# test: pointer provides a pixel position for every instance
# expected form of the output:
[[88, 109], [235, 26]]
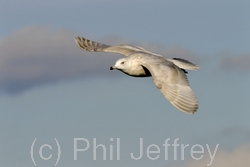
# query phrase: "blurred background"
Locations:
[[49, 88]]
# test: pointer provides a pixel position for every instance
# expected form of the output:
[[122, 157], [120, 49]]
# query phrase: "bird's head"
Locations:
[[121, 64]]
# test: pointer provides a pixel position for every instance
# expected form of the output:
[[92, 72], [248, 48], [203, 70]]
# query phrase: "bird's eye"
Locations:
[[122, 62]]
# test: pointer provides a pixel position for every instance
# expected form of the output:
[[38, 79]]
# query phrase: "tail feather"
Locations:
[[184, 64]]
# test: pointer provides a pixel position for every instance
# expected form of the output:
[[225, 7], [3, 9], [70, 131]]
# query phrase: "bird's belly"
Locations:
[[139, 71]]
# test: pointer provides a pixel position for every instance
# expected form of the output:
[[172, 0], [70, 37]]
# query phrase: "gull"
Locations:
[[169, 75]]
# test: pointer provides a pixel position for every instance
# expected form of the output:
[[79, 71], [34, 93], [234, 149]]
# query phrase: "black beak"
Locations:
[[111, 68]]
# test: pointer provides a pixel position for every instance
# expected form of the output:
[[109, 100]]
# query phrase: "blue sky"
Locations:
[[49, 88]]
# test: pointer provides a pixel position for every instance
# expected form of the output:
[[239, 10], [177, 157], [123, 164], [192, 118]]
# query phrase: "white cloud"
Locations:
[[236, 62], [225, 158], [35, 55]]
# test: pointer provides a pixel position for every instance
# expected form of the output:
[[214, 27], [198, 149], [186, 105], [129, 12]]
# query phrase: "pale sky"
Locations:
[[49, 88]]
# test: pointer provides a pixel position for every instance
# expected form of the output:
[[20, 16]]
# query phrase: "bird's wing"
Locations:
[[93, 46], [173, 84]]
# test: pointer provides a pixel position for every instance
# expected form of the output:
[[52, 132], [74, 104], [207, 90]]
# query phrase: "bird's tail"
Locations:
[[184, 64]]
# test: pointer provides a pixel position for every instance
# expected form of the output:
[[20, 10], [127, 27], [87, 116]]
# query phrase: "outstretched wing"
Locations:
[[93, 46], [173, 84]]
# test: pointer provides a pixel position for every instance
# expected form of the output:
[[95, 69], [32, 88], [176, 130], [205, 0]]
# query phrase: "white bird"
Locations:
[[168, 74]]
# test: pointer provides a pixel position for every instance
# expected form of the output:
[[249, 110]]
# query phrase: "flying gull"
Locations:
[[168, 74]]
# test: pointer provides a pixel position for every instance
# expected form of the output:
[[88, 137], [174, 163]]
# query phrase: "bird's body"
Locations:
[[168, 74], [135, 68]]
